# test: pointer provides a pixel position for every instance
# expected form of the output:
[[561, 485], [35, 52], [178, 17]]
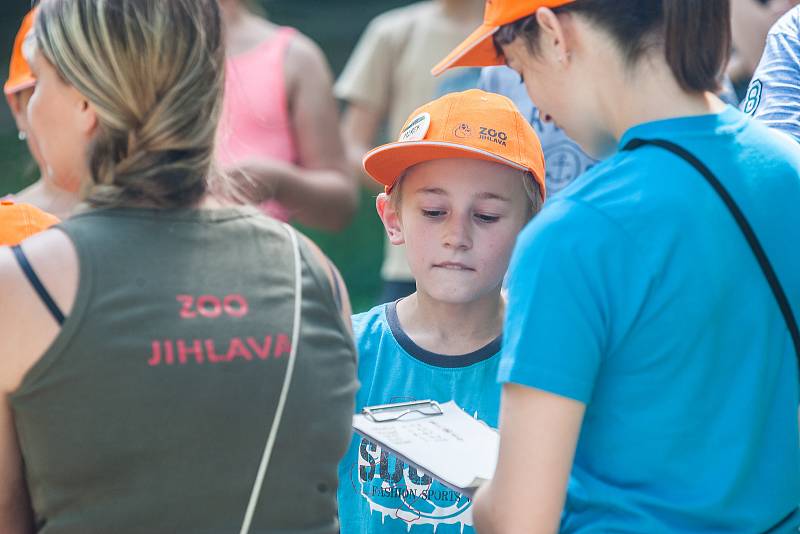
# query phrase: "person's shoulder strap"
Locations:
[[34, 280], [287, 382], [741, 221]]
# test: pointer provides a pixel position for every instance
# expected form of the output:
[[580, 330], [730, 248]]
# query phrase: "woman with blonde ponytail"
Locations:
[[662, 394], [170, 364]]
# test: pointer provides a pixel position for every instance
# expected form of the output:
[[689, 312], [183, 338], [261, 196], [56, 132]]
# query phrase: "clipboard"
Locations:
[[441, 440]]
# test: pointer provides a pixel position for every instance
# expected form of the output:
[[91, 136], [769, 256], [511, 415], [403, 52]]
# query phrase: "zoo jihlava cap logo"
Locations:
[[472, 124]]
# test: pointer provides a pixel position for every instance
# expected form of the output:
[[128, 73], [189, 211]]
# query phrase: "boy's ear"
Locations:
[[390, 218]]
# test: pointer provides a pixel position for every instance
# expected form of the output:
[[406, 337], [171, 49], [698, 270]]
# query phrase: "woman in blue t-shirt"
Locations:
[[645, 352]]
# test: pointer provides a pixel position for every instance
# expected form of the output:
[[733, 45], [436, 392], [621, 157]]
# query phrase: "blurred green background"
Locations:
[[335, 25]]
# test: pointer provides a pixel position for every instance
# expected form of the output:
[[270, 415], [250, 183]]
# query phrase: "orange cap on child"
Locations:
[[20, 76], [20, 221], [478, 49], [473, 124]]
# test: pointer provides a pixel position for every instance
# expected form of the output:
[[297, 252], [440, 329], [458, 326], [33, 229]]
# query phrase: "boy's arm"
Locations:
[[538, 434]]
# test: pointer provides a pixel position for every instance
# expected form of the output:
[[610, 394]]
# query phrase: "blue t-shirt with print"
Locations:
[[379, 493], [635, 293], [774, 93]]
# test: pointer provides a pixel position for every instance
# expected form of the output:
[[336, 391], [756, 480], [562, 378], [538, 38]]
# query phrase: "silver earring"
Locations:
[[22, 136]]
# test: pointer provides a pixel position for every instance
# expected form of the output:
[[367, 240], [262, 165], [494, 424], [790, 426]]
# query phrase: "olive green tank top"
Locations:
[[150, 411]]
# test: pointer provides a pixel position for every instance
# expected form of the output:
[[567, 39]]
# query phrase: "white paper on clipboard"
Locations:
[[452, 447]]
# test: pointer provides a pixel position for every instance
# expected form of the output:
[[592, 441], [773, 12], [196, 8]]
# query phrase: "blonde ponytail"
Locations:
[[154, 72]]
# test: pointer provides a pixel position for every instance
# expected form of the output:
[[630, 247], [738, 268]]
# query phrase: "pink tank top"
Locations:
[[255, 119]]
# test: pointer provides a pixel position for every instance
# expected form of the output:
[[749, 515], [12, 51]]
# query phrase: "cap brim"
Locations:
[[10, 88], [387, 163], [477, 50]]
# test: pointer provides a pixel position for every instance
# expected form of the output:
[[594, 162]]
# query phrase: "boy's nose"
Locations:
[[457, 233]]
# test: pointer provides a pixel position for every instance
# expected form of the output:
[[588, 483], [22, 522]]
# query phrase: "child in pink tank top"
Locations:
[[255, 118], [279, 131]]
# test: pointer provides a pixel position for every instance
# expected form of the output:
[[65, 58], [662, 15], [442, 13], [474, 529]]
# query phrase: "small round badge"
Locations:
[[416, 129]]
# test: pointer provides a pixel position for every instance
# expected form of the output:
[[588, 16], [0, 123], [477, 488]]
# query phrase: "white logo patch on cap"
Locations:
[[416, 129]]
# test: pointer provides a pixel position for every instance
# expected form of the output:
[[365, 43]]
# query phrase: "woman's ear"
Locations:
[[552, 39], [85, 114], [390, 217], [16, 110]]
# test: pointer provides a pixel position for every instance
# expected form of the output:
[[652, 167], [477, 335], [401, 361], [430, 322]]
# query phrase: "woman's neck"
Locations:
[[49, 197], [452, 329], [647, 93]]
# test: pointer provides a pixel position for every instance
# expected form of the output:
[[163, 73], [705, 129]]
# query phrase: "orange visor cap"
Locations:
[[478, 49], [20, 221], [473, 125], [20, 76]]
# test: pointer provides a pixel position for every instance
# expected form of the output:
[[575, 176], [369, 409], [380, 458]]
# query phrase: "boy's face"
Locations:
[[459, 219]]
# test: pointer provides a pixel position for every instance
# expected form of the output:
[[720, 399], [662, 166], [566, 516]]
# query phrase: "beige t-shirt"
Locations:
[[390, 71]]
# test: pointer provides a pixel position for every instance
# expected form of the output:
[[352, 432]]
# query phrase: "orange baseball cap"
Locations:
[[478, 49], [20, 76], [473, 124], [20, 221]]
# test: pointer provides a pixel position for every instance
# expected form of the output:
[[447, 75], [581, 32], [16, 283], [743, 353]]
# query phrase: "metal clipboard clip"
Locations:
[[385, 413]]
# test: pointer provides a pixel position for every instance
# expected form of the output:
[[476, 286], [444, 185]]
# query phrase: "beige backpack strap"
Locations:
[[273, 432]]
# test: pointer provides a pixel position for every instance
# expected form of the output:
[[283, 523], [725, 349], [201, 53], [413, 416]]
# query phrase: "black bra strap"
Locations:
[[744, 225], [30, 274]]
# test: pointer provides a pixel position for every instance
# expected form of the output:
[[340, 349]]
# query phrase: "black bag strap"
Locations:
[[37, 285], [744, 226]]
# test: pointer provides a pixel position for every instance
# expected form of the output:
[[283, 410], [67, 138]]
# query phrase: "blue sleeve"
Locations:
[[774, 93], [489, 80], [569, 277]]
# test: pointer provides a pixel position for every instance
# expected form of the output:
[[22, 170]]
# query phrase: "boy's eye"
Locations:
[[433, 213], [482, 217]]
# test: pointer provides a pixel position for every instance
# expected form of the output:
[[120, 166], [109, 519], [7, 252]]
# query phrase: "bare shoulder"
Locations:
[[248, 34], [320, 256], [303, 54], [334, 278], [27, 328]]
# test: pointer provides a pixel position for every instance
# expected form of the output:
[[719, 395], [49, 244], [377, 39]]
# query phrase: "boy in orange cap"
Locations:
[[465, 176], [387, 77]]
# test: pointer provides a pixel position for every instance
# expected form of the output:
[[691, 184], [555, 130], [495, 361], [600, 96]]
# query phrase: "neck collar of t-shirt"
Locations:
[[432, 358], [729, 120]]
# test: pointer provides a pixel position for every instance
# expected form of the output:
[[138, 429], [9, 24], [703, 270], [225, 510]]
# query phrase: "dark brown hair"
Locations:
[[694, 34]]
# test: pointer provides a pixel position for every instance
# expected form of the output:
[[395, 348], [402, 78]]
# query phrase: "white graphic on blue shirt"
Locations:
[[378, 492], [397, 490]]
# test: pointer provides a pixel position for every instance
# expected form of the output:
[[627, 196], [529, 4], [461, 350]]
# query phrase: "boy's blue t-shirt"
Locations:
[[377, 492], [634, 292]]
